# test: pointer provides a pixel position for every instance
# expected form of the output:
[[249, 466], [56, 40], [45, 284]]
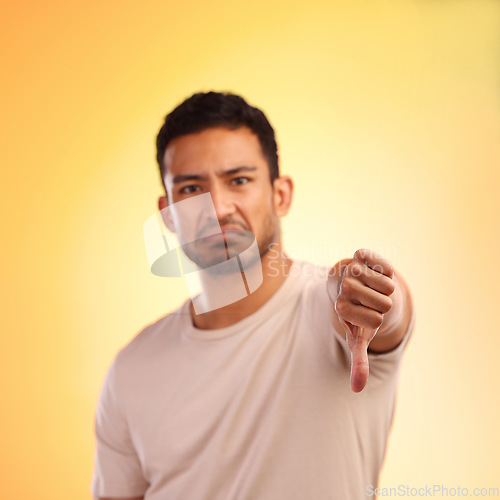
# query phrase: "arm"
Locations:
[[372, 307], [117, 470]]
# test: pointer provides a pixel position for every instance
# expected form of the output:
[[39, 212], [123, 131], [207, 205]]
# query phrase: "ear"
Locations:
[[282, 195], [166, 215]]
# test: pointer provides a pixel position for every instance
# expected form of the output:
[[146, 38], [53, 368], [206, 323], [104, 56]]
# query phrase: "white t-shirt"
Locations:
[[261, 409]]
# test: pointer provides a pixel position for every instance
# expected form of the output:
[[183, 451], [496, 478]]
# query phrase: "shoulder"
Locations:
[[309, 272], [152, 339], [311, 282]]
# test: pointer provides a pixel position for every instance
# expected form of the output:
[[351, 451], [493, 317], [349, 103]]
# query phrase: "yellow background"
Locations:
[[387, 116]]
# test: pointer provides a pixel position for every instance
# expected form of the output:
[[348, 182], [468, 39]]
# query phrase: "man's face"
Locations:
[[230, 165]]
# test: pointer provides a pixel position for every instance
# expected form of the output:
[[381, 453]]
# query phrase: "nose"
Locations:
[[223, 202]]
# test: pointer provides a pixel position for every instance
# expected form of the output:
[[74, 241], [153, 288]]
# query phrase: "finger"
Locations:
[[374, 261], [358, 293], [359, 364], [371, 278], [358, 315]]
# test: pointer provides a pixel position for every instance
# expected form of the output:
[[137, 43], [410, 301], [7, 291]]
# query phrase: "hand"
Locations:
[[363, 298]]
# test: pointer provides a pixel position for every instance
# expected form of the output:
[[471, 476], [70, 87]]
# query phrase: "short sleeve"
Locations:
[[117, 469], [397, 352]]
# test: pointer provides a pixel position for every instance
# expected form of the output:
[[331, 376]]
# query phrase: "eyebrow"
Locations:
[[220, 173]]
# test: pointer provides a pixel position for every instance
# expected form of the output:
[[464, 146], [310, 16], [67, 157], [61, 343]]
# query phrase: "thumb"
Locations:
[[359, 362]]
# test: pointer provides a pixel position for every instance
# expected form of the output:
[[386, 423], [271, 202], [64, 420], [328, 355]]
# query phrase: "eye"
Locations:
[[191, 188], [240, 180]]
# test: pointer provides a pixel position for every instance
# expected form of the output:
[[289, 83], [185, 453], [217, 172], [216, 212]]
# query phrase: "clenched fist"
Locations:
[[362, 294]]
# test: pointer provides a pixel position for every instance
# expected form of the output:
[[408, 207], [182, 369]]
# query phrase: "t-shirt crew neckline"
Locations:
[[219, 333]]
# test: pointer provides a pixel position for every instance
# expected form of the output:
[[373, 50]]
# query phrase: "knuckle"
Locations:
[[390, 269], [376, 320], [386, 305], [340, 305], [391, 287], [360, 254], [356, 269], [347, 285]]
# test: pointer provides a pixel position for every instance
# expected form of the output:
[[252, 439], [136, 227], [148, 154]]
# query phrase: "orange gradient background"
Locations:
[[387, 117]]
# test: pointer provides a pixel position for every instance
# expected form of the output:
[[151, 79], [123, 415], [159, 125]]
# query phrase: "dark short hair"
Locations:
[[204, 110]]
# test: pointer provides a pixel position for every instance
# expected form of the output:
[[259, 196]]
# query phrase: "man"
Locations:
[[266, 397]]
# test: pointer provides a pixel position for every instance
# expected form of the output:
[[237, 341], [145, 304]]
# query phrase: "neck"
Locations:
[[275, 268]]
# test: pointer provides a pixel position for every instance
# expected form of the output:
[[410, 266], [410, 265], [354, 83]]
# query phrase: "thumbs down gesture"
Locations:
[[362, 291]]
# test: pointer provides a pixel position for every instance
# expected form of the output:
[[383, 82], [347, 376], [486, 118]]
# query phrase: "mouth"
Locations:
[[219, 231], [232, 238], [223, 237], [216, 244], [232, 230]]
